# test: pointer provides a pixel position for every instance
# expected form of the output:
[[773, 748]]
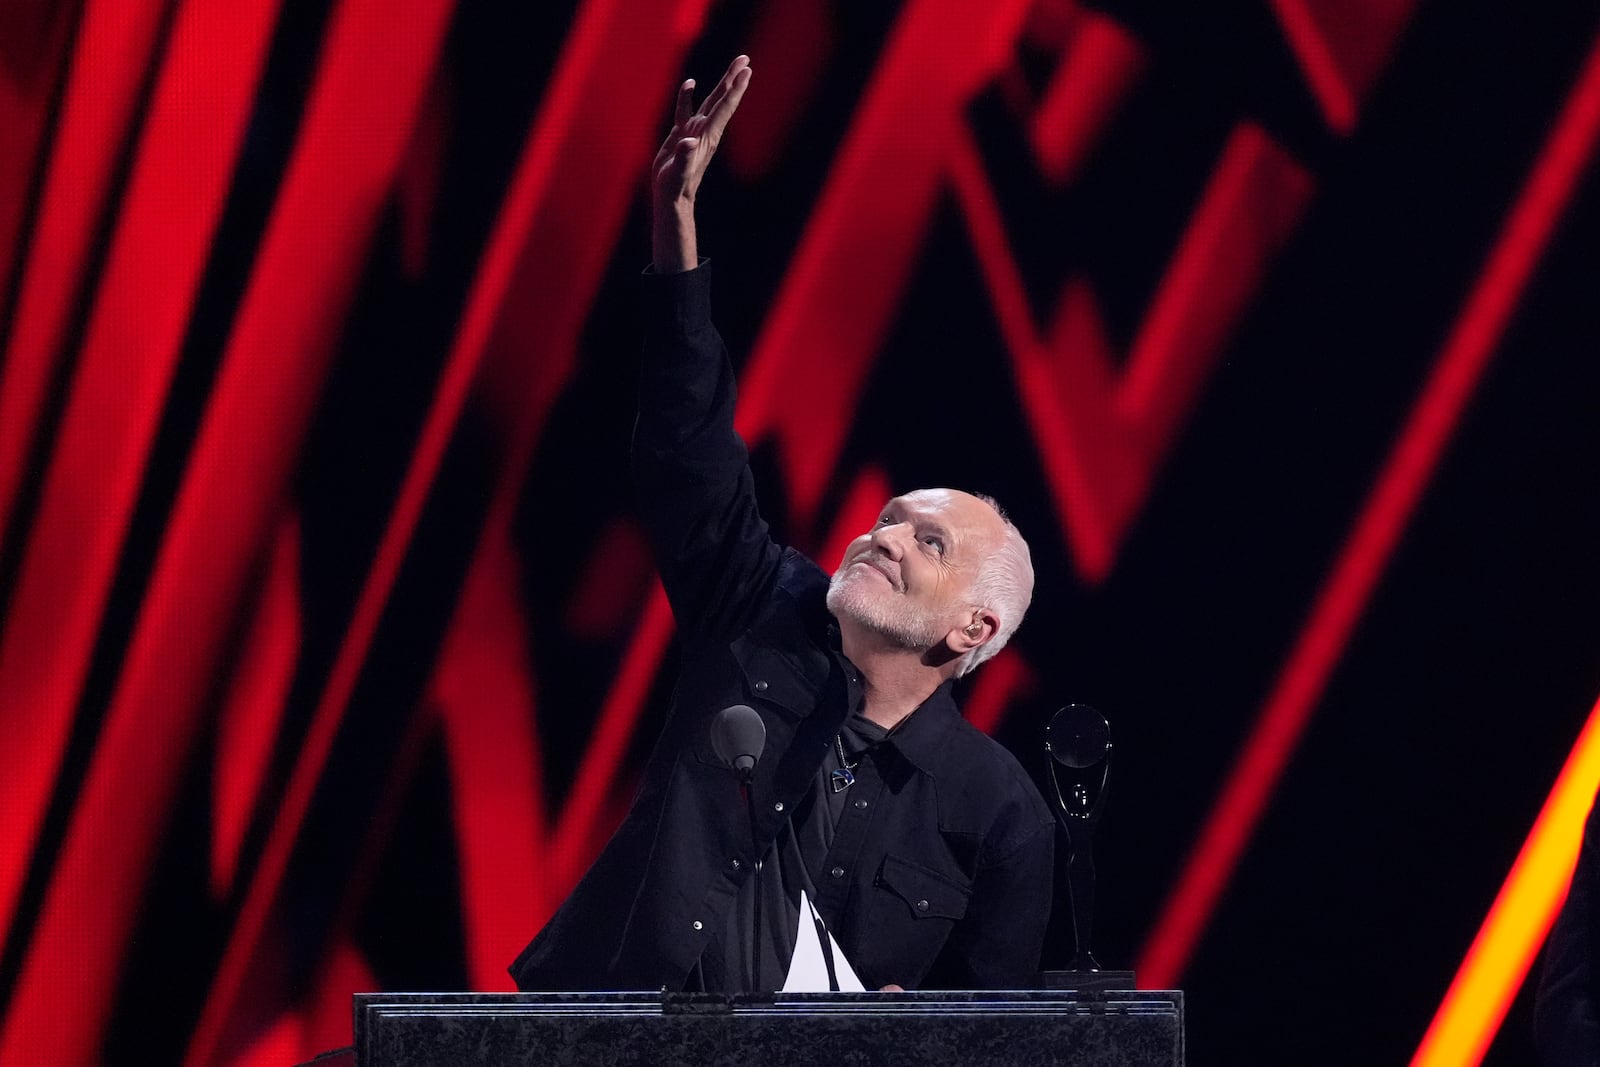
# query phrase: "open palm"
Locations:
[[681, 161]]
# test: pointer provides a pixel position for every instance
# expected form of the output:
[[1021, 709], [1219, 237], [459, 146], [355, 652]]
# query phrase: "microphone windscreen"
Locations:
[[737, 737]]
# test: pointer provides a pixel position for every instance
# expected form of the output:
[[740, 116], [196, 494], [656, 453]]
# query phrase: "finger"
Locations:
[[682, 153], [724, 84], [682, 111], [682, 107], [676, 150], [738, 74], [672, 166], [668, 147], [685, 104], [727, 105], [667, 142]]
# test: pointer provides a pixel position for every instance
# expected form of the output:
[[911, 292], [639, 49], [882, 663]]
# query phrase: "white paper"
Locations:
[[808, 970]]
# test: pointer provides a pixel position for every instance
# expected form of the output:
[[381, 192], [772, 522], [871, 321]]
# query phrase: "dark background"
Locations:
[[1469, 668]]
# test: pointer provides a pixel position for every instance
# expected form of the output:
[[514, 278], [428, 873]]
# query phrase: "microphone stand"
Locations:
[[748, 789]]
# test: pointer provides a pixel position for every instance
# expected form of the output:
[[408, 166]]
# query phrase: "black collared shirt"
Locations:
[[937, 870]]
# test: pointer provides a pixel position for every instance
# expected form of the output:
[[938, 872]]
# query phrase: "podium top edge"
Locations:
[[646, 999]]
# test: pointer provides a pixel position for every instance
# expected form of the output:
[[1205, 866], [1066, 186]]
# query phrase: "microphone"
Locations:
[[737, 737]]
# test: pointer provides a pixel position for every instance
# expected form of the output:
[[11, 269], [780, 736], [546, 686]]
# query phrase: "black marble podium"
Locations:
[[1090, 1028]]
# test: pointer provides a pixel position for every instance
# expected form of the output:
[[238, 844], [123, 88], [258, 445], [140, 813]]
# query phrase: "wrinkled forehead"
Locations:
[[959, 511]]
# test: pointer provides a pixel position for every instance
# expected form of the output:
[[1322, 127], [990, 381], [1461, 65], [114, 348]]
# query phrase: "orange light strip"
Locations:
[[1516, 925], [1384, 518]]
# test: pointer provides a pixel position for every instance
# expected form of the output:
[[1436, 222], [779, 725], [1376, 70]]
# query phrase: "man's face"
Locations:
[[910, 577]]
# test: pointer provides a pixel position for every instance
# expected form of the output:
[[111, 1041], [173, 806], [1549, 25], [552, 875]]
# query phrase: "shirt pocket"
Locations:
[[922, 893], [909, 915]]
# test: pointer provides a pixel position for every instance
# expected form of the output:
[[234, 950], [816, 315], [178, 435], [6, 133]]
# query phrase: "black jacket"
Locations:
[[939, 870]]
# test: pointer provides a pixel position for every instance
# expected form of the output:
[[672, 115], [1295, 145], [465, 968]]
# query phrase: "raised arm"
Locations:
[[691, 471]]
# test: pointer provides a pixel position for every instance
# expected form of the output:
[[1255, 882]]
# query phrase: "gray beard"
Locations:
[[897, 624]]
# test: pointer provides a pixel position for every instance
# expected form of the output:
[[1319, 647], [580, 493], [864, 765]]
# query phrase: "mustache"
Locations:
[[882, 566]]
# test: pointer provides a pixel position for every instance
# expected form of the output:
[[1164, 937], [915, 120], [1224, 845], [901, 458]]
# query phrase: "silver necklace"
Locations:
[[843, 778]]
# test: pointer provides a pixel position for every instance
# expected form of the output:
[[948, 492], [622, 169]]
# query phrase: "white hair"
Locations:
[[1004, 585]]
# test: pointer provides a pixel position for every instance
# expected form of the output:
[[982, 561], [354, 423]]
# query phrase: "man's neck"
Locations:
[[894, 681]]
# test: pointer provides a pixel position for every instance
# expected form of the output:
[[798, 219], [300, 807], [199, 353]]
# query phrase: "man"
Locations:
[[924, 846]]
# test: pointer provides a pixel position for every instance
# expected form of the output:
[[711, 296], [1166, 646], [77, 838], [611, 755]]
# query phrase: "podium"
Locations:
[[1088, 1028]]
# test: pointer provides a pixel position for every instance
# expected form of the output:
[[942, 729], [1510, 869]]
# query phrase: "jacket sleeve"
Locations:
[[1566, 1024], [691, 470]]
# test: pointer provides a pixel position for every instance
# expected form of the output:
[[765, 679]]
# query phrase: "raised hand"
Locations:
[[681, 163]]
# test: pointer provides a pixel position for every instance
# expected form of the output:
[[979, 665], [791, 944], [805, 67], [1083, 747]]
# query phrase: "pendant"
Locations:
[[842, 779]]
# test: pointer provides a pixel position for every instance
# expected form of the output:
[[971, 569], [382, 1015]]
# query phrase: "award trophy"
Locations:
[[1078, 740]]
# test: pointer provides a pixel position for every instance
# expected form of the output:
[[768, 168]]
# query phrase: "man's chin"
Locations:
[[840, 600], [846, 607], [852, 595]]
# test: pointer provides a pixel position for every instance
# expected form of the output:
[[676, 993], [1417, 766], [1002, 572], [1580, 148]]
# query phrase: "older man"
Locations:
[[925, 847]]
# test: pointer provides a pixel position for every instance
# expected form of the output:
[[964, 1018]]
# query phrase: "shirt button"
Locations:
[[837, 872], [861, 803], [778, 806], [735, 864], [761, 687], [922, 905], [698, 924]]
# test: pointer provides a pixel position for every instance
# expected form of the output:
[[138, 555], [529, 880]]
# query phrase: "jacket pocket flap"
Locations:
[[774, 678], [928, 894]]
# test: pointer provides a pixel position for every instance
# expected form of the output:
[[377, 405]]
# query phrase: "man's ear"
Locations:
[[982, 626]]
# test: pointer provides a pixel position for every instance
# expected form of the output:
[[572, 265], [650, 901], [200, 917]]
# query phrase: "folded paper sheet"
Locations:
[[808, 969]]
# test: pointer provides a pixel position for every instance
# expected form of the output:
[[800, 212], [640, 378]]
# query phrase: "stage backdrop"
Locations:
[[330, 648]]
